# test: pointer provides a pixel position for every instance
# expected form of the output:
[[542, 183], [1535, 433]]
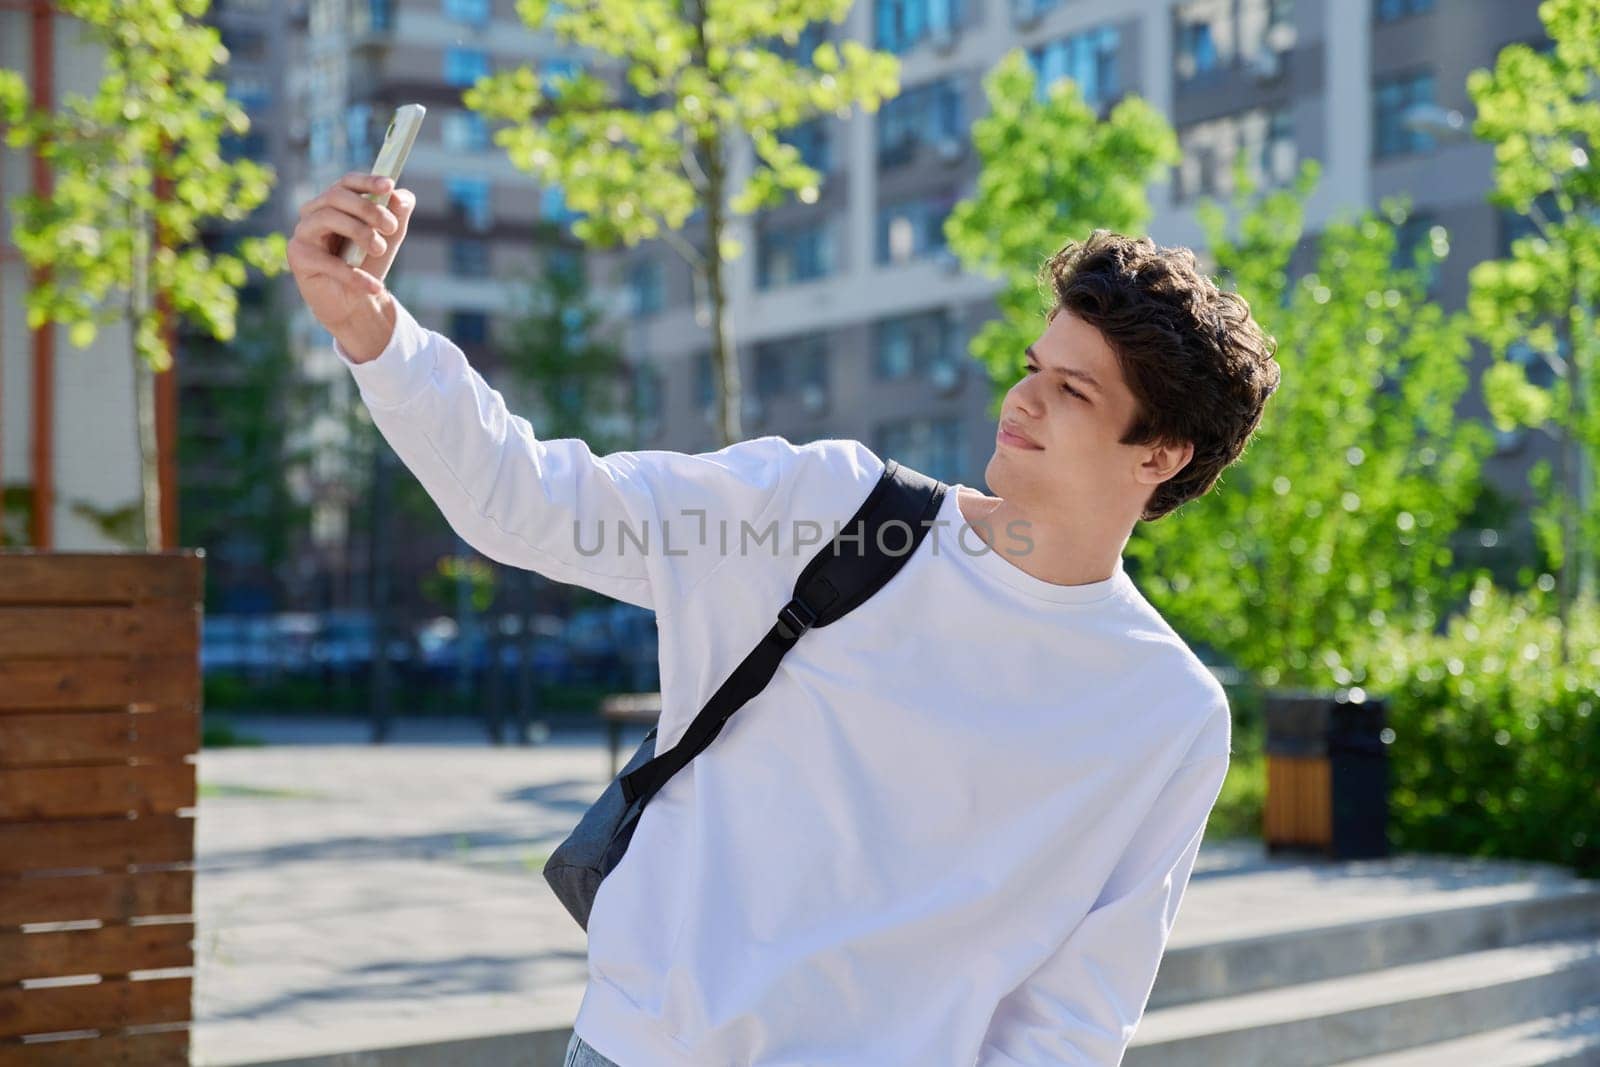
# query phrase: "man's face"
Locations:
[[1074, 426]]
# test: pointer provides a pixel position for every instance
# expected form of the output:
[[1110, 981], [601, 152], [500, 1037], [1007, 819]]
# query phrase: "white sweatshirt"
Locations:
[[956, 826]]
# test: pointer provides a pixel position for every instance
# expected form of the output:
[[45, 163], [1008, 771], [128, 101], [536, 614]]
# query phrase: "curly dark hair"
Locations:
[[1198, 365]]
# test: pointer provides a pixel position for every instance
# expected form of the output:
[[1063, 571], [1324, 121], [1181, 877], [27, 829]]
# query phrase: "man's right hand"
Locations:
[[350, 302]]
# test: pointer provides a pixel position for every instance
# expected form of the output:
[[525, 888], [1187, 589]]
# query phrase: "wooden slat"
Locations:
[[108, 897], [106, 950], [165, 1048], [90, 736], [145, 629], [113, 1002], [84, 792], [106, 843], [98, 681], [96, 577]]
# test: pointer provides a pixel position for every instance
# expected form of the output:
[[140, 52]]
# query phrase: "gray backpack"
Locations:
[[834, 583]]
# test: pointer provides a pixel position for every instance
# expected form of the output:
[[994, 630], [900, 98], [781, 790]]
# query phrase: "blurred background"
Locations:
[[1333, 161]]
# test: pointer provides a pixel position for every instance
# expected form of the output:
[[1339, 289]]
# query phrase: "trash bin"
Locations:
[[1327, 774]]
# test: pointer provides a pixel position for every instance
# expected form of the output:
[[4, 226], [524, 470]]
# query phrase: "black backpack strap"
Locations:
[[861, 558]]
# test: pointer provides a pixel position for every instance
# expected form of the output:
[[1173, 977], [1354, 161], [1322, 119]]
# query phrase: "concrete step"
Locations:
[[1312, 1024], [1436, 926], [1568, 1039]]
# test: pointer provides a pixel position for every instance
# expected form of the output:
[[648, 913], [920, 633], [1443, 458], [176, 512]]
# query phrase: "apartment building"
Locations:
[[850, 316]]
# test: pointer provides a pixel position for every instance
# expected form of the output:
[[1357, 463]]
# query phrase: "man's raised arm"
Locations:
[[636, 526]]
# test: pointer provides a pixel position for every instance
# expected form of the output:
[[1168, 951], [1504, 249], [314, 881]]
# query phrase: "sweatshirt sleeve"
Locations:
[[630, 525], [1081, 1007]]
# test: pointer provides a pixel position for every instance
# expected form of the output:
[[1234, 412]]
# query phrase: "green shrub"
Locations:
[[1496, 747]]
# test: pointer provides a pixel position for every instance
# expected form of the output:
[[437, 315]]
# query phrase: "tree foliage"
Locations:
[[1337, 519], [109, 246], [701, 75], [1541, 111]]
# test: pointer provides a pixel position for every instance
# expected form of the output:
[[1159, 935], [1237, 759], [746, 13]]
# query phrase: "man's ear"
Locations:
[[1165, 460]]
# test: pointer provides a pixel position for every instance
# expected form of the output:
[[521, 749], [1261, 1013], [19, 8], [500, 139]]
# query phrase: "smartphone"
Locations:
[[397, 142]]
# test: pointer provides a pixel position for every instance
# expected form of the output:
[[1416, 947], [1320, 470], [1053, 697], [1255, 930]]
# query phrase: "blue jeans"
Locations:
[[579, 1054]]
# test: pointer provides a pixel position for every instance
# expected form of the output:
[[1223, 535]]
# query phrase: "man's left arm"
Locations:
[[1081, 1007]]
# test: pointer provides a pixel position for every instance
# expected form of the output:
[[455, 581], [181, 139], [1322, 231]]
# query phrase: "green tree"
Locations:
[[242, 438], [1541, 110], [1338, 517], [1052, 170], [707, 72], [110, 243]]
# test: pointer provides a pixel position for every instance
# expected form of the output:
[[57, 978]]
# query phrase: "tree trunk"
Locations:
[[144, 383], [149, 453], [724, 359]]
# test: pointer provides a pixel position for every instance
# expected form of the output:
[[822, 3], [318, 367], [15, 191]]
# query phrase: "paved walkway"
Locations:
[[354, 897]]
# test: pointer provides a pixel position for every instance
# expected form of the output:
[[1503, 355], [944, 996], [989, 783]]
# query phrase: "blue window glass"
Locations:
[[469, 327], [901, 24], [645, 287], [794, 255], [464, 131], [472, 12], [923, 115], [469, 257], [468, 200], [1390, 10], [463, 66], [1393, 101], [1088, 58], [912, 229]]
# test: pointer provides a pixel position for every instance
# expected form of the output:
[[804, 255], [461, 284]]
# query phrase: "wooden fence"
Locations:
[[99, 718]]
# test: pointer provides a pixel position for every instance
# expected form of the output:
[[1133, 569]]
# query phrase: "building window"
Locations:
[[1210, 149], [797, 254], [703, 392], [465, 131], [373, 16], [1088, 58], [1390, 10], [472, 12], [930, 445], [252, 93], [1393, 99], [1280, 157], [646, 393], [564, 262], [912, 229], [469, 328], [464, 66], [1197, 50], [1213, 36], [469, 257], [1025, 9], [811, 138], [555, 70], [553, 204], [645, 288], [324, 139], [769, 371], [244, 45], [468, 202], [904, 23], [927, 114], [1418, 229], [912, 345]]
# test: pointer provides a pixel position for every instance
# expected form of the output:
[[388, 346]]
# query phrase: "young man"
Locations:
[[957, 825]]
